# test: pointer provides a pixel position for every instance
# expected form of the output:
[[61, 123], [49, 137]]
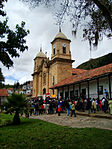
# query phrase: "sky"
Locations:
[[43, 29]]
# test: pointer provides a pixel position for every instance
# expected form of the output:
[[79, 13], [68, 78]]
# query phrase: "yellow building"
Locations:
[[47, 72]]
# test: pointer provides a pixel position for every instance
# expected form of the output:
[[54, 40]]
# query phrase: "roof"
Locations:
[[76, 71], [89, 74], [41, 54], [11, 89], [3, 92], [60, 35]]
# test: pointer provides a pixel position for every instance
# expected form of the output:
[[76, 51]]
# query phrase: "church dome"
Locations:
[[41, 54], [60, 35]]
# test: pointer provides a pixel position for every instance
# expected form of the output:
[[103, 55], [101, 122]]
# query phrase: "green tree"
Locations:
[[16, 103], [1, 78], [94, 16], [11, 42]]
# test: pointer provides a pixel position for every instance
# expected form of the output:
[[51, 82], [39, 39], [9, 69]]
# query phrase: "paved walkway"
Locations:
[[98, 114], [79, 121]]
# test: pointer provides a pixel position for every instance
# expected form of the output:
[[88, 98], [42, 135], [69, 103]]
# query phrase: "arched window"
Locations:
[[54, 50], [64, 48]]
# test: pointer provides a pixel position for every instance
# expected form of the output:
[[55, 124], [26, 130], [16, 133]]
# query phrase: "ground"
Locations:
[[76, 122]]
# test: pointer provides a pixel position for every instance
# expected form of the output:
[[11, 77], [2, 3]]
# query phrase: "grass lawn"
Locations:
[[37, 134]]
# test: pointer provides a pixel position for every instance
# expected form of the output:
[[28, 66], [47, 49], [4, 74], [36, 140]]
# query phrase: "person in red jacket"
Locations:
[[59, 110], [42, 108]]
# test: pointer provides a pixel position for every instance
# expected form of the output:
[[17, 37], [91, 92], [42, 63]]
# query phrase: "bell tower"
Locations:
[[61, 62], [61, 47]]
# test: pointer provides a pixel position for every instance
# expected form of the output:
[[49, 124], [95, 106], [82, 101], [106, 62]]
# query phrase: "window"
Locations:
[[100, 90], [54, 50], [64, 48]]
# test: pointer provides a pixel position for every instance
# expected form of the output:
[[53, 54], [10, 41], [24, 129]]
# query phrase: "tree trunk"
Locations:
[[16, 119]]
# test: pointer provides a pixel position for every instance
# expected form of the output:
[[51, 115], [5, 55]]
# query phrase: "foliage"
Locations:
[[4, 122], [16, 103], [11, 42], [8, 86], [1, 78], [5, 119], [34, 133], [95, 16], [98, 62]]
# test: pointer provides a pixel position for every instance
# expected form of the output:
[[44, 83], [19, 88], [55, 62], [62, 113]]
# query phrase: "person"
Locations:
[[67, 107], [40, 111], [88, 105], [36, 109], [94, 105], [42, 108], [110, 106], [51, 108], [45, 107], [106, 93], [97, 104], [106, 105], [59, 110], [103, 101], [47, 110], [73, 109]]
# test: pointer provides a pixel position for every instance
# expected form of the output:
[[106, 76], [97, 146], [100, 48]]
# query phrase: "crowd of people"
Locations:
[[52, 106]]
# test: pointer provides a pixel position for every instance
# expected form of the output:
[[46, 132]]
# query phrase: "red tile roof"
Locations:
[[76, 71], [3, 92], [89, 74], [10, 89]]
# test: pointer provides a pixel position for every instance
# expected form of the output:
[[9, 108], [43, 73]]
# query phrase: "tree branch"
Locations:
[[106, 12]]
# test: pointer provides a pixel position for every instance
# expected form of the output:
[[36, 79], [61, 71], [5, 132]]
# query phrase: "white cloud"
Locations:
[[42, 28]]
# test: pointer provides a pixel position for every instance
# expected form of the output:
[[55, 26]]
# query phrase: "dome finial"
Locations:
[[59, 28], [41, 48]]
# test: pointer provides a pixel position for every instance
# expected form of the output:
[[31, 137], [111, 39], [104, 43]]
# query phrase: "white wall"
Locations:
[[92, 87]]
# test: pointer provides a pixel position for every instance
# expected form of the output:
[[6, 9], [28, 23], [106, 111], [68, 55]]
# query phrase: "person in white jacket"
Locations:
[[94, 105]]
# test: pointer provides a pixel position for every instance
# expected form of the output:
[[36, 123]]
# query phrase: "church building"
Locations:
[[47, 72], [57, 77]]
